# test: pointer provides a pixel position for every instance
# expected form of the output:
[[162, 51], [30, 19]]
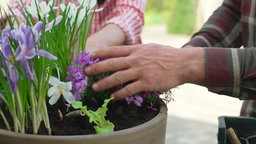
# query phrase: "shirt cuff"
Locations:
[[222, 70]]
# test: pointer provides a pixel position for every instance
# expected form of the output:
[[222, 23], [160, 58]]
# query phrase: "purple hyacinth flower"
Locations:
[[129, 99], [138, 101], [84, 59], [77, 75]]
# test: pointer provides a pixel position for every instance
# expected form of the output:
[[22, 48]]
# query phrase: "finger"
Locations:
[[129, 90], [115, 79], [115, 51], [108, 65]]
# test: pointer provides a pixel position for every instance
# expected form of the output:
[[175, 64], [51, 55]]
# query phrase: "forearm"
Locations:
[[129, 16], [110, 35]]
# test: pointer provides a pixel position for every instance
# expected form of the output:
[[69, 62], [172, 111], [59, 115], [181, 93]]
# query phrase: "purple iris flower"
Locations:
[[12, 77], [6, 49], [10, 72], [28, 39], [5, 34], [28, 47]]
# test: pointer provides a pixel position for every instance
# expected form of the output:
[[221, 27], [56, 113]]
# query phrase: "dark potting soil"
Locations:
[[119, 112]]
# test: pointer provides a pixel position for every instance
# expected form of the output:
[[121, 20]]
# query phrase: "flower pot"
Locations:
[[151, 132], [244, 127]]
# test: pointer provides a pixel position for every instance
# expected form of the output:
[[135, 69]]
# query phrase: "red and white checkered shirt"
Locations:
[[126, 14]]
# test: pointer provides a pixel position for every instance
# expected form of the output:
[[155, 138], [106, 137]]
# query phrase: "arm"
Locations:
[[110, 35], [129, 16], [231, 71], [223, 28], [125, 26]]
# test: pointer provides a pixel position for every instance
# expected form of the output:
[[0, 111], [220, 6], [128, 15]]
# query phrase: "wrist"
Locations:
[[194, 67]]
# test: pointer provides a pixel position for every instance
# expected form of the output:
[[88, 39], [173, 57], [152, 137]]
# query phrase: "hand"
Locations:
[[148, 67], [94, 44]]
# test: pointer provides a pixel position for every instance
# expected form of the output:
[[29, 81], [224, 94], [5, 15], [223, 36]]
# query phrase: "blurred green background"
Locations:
[[179, 16]]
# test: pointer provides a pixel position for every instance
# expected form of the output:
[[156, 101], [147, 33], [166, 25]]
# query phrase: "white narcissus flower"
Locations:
[[88, 3], [40, 8], [59, 88], [73, 10]]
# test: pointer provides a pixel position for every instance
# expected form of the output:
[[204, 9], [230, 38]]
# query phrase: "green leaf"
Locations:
[[97, 117], [106, 127], [77, 104]]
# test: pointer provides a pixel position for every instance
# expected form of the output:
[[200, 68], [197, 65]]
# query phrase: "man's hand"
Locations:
[[149, 67]]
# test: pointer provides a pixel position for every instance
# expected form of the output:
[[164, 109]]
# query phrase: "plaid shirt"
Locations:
[[230, 69], [126, 14]]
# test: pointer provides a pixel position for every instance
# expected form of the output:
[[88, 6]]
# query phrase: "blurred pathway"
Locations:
[[193, 116]]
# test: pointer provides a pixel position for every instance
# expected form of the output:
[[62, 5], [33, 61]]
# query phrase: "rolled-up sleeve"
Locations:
[[129, 16], [231, 71]]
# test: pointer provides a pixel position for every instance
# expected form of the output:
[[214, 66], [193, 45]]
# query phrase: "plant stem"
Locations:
[[46, 118], [43, 107], [32, 104], [20, 109], [14, 114], [5, 120]]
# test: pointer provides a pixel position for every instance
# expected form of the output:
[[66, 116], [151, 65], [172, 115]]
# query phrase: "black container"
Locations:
[[244, 127]]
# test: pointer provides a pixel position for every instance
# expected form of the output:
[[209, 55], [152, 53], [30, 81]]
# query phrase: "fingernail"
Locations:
[[92, 54], [113, 97], [95, 87], [87, 70]]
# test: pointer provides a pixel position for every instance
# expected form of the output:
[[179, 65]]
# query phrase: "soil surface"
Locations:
[[119, 112]]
